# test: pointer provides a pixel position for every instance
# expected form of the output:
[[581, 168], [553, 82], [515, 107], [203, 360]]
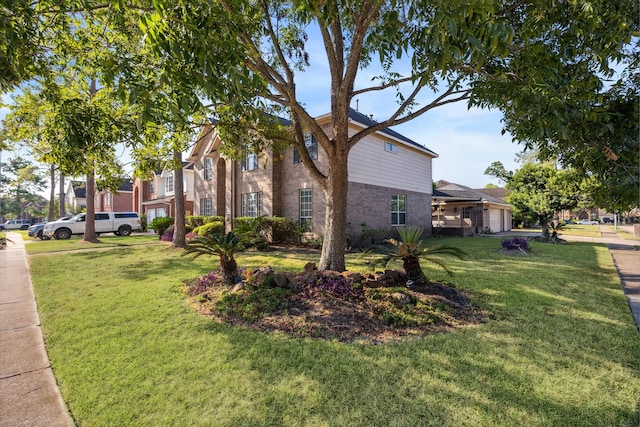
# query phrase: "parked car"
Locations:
[[16, 224], [118, 223], [607, 220], [569, 221], [587, 222], [36, 231]]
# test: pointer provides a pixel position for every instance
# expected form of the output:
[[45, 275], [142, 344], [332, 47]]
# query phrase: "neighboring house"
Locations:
[[462, 211], [156, 197], [122, 201], [75, 198], [389, 181]]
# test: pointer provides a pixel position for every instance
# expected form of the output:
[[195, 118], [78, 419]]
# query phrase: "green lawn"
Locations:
[[560, 348], [75, 243]]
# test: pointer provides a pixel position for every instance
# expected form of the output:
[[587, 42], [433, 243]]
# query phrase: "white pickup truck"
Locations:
[[118, 223]]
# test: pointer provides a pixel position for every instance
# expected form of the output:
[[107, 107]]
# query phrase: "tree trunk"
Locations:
[[335, 223], [90, 217], [229, 270], [414, 272], [179, 240], [545, 229], [62, 209], [52, 193]]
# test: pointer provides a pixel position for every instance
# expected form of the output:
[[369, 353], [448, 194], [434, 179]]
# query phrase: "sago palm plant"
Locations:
[[411, 249], [225, 246]]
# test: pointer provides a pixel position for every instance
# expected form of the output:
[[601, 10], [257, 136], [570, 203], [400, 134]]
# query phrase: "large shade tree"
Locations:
[[252, 54]]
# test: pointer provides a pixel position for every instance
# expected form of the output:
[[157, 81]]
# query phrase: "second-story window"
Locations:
[[168, 183], [250, 162], [392, 148], [208, 169], [151, 187], [311, 144]]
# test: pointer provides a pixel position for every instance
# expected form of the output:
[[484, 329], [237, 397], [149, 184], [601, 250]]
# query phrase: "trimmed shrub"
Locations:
[[210, 228], [277, 229], [161, 224], [196, 221]]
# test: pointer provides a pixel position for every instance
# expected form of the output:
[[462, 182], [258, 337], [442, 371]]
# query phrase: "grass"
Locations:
[[560, 348], [624, 234], [75, 243]]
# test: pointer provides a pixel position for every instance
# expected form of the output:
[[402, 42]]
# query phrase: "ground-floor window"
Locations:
[[398, 209], [252, 204], [306, 208], [205, 206]]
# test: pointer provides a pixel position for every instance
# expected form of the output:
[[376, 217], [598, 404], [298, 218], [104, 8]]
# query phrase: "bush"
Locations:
[[216, 227], [161, 224], [516, 243], [368, 236], [195, 221], [277, 229], [167, 236], [143, 222]]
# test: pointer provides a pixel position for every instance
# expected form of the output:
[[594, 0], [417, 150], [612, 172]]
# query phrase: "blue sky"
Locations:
[[466, 140]]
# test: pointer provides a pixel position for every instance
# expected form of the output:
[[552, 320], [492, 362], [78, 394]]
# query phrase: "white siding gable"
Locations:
[[407, 169]]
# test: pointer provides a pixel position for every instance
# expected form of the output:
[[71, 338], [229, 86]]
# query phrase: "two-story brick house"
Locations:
[[120, 201], [155, 197], [390, 180]]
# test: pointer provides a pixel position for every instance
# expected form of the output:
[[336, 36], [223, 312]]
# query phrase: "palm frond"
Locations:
[[410, 235]]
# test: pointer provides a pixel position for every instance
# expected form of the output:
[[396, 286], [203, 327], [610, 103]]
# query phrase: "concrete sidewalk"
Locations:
[[627, 260], [29, 395]]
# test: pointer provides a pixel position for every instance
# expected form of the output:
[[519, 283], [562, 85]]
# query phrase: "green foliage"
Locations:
[[367, 236], [143, 222], [161, 224], [225, 246], [20, 183], [215, 227], [281, 230], [252, 302], [411, 249], [539, 191], [196, 221]]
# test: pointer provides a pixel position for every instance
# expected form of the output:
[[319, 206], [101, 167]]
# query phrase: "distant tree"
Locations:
[[490, 185], [498, 170], [20, 183], [539, 192]]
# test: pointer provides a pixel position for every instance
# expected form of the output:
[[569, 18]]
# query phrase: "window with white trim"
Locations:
[[250, 162], [205, 206], [391, 148], [306, 210], [398, 209], [311, 144], [168, 183], [207, 172], [151, 186], [252, 204]]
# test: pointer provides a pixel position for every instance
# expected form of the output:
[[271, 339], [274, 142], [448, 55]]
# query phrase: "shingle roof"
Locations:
[[79, 189], [451, 191], [368, 121]]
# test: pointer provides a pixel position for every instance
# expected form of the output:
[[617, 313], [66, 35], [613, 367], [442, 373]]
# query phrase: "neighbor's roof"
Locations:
[[79, 189], [447, 191]]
